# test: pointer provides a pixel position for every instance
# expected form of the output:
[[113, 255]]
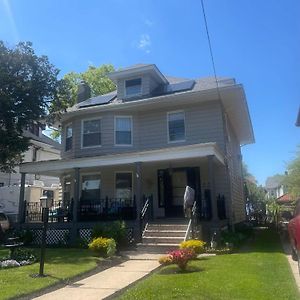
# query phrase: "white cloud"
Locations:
[[148, 22], [144, 42]]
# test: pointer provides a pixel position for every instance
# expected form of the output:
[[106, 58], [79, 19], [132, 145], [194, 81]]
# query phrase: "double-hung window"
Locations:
[[91, 187], [123, 131], [133, 87], [176, 126], [124, 185], [91, 133], [69, 137]]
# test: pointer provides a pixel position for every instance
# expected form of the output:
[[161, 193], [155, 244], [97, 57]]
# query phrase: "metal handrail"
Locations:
[[192, 221], [145, 209], [145, 214]]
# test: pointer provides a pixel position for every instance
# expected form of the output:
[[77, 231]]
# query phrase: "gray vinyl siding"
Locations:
[[203, 124], [146, 86], [235, 173]]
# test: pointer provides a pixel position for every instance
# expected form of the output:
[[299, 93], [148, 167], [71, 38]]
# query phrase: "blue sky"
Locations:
[[257, 42]]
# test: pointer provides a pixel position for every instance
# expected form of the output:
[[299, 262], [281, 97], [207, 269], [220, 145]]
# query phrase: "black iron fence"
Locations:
[[88, 210], [107, 209]]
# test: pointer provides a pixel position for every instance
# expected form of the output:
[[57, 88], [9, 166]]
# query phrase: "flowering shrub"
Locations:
[[103, 246], [196, 245], [179, 257], [165, 260]]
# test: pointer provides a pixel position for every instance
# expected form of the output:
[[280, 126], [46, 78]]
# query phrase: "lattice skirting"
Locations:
[[54, 236], [63, 236]]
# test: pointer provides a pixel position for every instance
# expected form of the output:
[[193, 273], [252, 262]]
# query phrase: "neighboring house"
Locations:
[[275, 187], [149, 139], [41, 148]]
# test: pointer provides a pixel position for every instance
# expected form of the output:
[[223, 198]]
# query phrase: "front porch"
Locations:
[[116, 187]]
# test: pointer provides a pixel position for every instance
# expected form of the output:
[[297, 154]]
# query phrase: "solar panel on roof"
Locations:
[[180, 86], [99, 100]]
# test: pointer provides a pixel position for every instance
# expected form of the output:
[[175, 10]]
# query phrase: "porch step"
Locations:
[[167, 227], [164, 235], [163, 240]]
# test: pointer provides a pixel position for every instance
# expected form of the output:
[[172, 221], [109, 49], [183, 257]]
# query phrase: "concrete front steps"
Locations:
[[161, 236]]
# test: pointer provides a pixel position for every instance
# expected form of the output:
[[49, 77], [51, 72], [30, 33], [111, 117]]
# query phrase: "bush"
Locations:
[[196, 245], [179, 257], [103, 246], [115, 230], [165, 260], [20, 254]]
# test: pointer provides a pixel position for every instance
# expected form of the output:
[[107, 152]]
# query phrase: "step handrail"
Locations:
[[192, 222], [145, 214]]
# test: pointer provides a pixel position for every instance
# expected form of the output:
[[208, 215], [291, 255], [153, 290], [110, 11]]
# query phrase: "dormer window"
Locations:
[[133, 87]]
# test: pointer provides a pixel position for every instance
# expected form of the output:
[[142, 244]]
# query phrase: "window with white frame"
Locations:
[[123, 131], [124, 185], [133, 87], [176, 126], [90, 187], [69, 137], [91, 133]]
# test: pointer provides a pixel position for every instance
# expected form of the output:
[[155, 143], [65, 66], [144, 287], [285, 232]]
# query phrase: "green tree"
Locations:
[[28, 84], [292, 179], [95, 77], [254, 193]]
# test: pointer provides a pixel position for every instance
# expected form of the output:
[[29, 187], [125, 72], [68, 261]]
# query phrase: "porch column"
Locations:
[[21, 215], [138, 193], [76, 194], [211, 178]]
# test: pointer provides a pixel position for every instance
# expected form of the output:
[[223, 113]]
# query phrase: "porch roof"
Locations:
[[60, 166]]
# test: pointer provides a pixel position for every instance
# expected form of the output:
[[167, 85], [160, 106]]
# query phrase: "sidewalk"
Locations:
[[109, 281], [293, 264]]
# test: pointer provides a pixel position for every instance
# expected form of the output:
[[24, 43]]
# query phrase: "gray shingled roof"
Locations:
[[43, 139], [200, 84]]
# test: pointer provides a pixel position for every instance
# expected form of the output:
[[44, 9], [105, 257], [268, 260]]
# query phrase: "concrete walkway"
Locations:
[[109, 281], [293, 264]]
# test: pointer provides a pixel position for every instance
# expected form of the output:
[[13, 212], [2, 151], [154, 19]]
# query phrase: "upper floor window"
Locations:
[[69, 137], [123, 128], [91, 133], [133, 87], [176, 126]]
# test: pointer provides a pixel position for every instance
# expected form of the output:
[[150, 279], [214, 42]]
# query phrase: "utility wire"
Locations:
[[210, 48]]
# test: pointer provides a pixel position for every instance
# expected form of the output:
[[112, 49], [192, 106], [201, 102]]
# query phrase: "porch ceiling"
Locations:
[[59, 167]]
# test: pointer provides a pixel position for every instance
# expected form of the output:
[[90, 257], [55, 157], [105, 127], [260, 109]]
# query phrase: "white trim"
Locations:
[[132, 181], [174, 112], [134, 95], [131, 131], [81, 132], [165, 154]]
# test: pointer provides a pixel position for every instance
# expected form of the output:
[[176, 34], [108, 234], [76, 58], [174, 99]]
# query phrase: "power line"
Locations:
[[210, 47]]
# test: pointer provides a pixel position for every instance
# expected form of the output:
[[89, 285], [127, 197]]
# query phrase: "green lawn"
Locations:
[[60, 264], [262, 272]]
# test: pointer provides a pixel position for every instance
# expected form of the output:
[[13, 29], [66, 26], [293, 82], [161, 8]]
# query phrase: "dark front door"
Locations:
[[171, 188]]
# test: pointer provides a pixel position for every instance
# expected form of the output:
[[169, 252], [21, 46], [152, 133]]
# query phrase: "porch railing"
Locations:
[[191, 230], [61, 211], [107, 209], [88, 210], [146, 212]]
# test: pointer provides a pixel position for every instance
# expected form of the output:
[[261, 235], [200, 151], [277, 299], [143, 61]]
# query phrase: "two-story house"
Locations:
[[152, 137]]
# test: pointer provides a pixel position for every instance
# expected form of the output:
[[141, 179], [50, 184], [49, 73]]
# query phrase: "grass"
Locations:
[[61, 264], [260, 273]]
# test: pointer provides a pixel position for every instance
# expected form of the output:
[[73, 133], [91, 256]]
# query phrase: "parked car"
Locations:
[[294, 234], [4, 221]]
